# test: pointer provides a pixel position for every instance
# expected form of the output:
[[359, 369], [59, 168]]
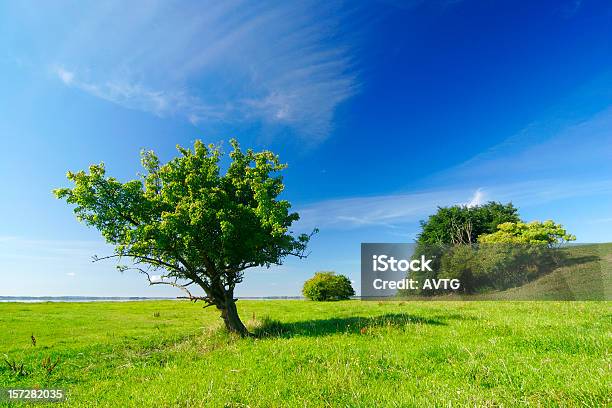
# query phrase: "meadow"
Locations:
[[349, 353]]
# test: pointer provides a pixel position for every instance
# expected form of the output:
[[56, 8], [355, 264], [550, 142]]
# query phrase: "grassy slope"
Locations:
[[586, 276], [330, 354]]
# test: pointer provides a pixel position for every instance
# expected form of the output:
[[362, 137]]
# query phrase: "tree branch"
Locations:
[[196, 298], [172, 283], [158, 262]]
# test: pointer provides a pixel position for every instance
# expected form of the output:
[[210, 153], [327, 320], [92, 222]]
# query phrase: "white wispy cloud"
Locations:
[[66, 76], [61, 267], [137, 96], [396, 210], [539, 165], [477, 199], [387, 210], [15, 248], [278, 64], [553, 149]]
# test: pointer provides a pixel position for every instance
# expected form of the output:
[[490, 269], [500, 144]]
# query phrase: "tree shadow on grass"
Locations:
[[347, 325], [579, 260]]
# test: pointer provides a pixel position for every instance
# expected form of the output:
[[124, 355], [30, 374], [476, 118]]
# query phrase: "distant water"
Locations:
[[38, 299]]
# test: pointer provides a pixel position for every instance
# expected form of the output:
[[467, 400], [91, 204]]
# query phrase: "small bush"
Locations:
[[325, 286]]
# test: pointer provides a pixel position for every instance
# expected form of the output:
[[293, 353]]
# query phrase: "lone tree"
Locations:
[[192, 224]]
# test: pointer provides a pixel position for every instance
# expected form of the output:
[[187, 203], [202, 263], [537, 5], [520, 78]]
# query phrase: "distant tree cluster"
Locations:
[[463, 225], [488, 247]]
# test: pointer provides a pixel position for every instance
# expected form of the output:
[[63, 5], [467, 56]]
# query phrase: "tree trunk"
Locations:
[[229, 314]]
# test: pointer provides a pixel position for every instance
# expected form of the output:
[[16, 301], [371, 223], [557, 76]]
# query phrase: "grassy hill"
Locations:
[[352, 353], [586, 275]]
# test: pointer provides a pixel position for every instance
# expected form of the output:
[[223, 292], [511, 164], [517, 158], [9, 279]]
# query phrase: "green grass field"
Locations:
[[352, 353]]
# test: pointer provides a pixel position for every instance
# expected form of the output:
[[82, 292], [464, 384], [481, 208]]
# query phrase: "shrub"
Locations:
[[324, 286], [546, 233]]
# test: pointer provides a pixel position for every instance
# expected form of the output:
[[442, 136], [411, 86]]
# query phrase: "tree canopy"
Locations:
[[544, 233], [463, 224], [199, 226]]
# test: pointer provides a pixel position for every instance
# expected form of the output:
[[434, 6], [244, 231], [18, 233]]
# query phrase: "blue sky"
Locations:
[[383, 111]]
